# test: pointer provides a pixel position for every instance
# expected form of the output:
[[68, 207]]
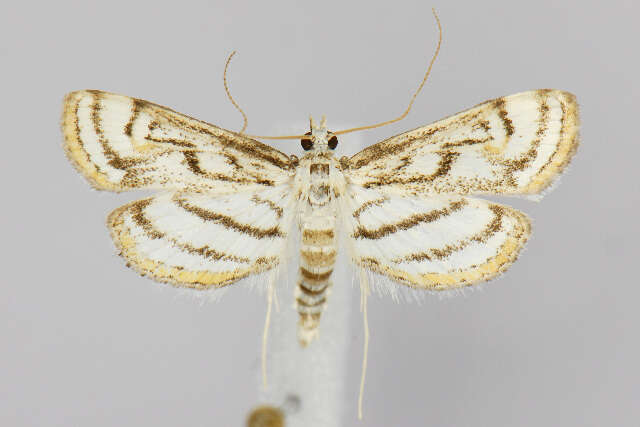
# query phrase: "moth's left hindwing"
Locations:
[[437, 243], [120, 143], [198, 241]]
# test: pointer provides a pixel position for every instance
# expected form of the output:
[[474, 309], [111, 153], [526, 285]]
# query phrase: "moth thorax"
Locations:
[[319, 170]]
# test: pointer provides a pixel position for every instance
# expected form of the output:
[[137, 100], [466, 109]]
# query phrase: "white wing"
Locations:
[[120, 143], [512, 145], [194, 240], [440, 242]]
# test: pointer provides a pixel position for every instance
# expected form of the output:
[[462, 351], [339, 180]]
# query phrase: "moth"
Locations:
[[229, 206], [406, 207]]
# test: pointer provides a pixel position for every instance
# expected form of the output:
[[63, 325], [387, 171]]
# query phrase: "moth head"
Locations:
[[319, 138]]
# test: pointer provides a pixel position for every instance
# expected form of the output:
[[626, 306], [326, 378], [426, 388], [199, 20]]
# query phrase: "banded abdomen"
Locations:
[[317, 252]]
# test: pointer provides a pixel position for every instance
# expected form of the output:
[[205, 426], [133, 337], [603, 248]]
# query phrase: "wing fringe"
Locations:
[[566, 148], [73, 146]]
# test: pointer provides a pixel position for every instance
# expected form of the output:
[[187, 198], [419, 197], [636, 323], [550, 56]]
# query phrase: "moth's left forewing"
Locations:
[[515, 144]]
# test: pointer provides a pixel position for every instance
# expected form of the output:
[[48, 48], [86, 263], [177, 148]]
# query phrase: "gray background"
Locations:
[[85, 341]]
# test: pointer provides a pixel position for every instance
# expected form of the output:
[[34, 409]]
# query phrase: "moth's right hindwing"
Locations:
[[120, 143], [196, 241]]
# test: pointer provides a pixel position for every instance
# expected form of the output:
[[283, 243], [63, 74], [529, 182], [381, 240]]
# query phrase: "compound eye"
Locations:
[[307, 144], [333, 142]]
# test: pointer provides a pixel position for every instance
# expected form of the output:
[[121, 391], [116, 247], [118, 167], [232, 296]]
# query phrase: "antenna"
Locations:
[[226, 89], [244, 116], [413, 98], [342, 132]]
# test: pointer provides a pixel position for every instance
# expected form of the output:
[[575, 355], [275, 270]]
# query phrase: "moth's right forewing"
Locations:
[[120, 143]]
